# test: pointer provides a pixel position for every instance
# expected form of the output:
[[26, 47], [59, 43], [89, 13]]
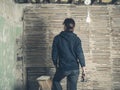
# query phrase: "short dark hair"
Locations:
[[69, 23]]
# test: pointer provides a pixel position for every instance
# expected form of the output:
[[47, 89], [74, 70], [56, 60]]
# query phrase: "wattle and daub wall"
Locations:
[[100, 40]]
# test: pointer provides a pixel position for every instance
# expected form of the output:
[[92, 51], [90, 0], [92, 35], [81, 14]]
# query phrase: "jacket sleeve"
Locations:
[[55, 51], [79, 53]]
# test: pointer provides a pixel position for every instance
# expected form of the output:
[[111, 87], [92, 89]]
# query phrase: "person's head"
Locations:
[[69, 24]]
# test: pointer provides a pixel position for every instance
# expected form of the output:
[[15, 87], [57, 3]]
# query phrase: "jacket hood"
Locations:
[[68, 35]]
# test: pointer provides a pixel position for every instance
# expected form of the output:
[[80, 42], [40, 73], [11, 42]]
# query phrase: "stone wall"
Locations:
[[97, 26], [115, 49]]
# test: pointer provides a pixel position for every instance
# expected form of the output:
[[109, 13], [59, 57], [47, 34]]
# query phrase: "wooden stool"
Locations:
[[44, 83]]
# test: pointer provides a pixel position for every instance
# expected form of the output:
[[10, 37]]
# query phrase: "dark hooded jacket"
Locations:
[[67, 51]]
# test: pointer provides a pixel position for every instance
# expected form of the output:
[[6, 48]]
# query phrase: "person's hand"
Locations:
[[83, 70], [83, 74]]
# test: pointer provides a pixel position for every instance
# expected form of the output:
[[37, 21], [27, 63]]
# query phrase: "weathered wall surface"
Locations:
[[115, 47], [100, 37], [11, 27]]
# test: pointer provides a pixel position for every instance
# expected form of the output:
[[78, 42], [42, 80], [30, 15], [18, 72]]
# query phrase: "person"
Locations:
[[67, 53]]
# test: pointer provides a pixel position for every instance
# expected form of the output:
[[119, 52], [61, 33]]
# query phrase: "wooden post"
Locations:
[[44, 83]]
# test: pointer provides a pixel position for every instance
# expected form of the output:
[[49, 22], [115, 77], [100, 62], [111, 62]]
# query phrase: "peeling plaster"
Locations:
[[10, 27]]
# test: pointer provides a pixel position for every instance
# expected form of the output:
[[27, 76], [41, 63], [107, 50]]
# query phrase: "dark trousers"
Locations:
[[72, 77]]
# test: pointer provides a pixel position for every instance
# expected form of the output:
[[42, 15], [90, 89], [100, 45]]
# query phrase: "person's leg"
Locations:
[[56, 80], [72, 80]]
